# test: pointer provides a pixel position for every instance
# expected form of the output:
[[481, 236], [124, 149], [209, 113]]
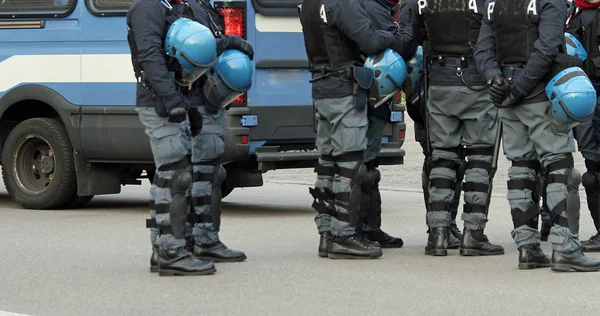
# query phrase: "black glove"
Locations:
[[514, 97], [499, 90], [244, 46], [195, 121], [177, 114]]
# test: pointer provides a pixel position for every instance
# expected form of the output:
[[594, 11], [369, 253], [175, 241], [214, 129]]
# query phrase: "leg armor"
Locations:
[[592, 190], [350, 173], [477, 188], [460, 176], [207, 213], [530, 215], [171, 203], [561, 178], [441, 180], [151, 223], [566, 211], [324, 201], [372, 198]]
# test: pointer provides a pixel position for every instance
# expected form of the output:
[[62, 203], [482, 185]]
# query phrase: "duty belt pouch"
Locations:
[[363, 78]]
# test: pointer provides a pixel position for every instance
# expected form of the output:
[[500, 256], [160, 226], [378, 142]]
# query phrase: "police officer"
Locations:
[[380, 13], [336, 32], [517, 45], [164, 102], [416, 109], [207, 146], [584, 25], [458, 111]]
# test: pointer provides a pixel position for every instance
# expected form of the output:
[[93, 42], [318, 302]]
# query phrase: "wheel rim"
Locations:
[[34, 165]]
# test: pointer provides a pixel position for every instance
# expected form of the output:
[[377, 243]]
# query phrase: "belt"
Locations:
[[324, 69], [462, 62], [511, 72]]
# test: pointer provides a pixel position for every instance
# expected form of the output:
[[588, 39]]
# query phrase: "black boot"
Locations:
[[437, 241], [455, 232], [324, 242], [154, 260], [453, 242], [181, 262], [218, 252], [575, 260], [531, 256], [593, 244], [385, 240], [476, 243], [352, 247]]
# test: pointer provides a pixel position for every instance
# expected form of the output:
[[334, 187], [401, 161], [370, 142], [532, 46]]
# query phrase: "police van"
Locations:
[[68, 126]]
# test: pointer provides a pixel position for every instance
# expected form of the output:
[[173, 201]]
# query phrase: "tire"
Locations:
[[78, 201], [37, 165]]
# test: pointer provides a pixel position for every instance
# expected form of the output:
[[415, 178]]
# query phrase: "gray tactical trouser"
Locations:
[[169, 142], [206, 149], [530, 133], [459, 116], [340, 130]]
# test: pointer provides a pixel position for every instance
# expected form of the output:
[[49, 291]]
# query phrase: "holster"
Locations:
[[363, 86]]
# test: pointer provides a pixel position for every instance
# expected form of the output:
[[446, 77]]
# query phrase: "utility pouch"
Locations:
[[363, 78]]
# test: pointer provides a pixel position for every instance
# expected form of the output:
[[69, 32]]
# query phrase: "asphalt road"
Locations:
[[94, 261]]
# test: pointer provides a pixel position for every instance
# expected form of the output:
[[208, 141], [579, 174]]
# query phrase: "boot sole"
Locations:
[[437, 252], [153, 269], [392, 245], [323, 254], [475, 253], [332, 255], [214, 259], [529, 266], [162, 272], [568, 267]]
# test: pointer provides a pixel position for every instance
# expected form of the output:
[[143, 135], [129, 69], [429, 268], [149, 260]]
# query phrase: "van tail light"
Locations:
[[234, 13]]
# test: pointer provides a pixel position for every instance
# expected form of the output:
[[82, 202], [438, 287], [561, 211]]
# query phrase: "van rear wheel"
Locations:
[[37, 164]]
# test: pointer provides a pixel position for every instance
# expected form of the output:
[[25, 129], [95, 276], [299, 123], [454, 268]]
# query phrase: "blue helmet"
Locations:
[[413, 78], [574, 47], [572, 96], [230, 77], [389, 69], [194, 46]]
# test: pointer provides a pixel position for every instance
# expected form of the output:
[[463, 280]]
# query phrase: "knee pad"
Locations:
[[370, 180], [376, 176], [182, 179], [590, 181], [220, 176], [361, 175]]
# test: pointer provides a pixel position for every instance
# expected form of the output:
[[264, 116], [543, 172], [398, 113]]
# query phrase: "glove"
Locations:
[[195, 121], [177, 114], [499, 90], [244, 46], [514, 97]]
